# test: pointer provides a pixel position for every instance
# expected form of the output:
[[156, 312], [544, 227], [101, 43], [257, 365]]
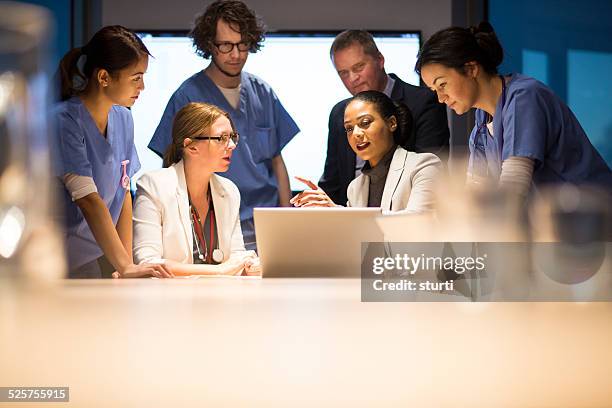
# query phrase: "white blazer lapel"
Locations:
[[396, 169], [363, 190], [222, 215], [182, 201]]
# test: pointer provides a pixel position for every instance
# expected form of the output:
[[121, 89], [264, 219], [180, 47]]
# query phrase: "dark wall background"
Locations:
[[62, 36], [427, 16], [75, 21], [566, 44]]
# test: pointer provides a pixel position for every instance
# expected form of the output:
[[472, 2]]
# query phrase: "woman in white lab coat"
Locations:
[[185, 215]]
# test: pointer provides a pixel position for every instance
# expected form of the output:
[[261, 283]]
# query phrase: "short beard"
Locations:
[[225, 72]]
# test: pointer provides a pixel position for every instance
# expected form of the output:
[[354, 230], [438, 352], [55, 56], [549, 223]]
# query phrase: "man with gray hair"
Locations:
[[361, 67]]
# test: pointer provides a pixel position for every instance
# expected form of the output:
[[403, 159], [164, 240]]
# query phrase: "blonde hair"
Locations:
[[194, 119]]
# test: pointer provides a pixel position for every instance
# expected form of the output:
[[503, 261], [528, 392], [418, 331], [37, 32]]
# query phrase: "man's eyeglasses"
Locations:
[[226, 47], [221, 139]]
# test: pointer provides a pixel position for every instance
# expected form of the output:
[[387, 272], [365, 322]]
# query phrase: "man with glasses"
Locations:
[[226, 32]]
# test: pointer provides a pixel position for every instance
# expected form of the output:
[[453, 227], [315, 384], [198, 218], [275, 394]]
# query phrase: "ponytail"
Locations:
[[492, 52], [386, 107], [173, 154], [69, 72], [112, 48], [404, 134]]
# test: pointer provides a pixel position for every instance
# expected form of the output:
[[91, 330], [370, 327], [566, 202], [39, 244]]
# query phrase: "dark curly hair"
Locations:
[[235, 13]]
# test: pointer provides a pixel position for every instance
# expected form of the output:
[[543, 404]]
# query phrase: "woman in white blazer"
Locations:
[[186, 216], [392, 178]]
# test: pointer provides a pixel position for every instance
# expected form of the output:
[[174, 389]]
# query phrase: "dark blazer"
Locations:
[[430, 134]]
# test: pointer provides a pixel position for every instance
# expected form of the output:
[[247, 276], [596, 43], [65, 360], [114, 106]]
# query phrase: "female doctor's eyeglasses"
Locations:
[[222, 140]]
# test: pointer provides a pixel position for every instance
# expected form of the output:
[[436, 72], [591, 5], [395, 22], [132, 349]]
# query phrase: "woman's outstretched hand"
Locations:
[[314, 197]]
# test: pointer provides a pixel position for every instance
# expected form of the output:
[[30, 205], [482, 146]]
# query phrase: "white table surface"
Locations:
[[297, 342]]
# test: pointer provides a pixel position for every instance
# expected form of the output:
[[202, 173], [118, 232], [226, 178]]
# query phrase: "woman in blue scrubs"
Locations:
[[96, 155], [524, 133]]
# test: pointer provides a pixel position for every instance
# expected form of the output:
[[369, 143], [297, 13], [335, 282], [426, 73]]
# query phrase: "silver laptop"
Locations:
[[314, 242]]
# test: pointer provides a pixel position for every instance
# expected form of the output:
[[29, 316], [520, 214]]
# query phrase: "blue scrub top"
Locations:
[[83, 150], [264, 126], [533, 122]]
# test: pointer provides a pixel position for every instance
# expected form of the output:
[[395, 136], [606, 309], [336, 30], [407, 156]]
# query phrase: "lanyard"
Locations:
[[501, 118], [481, 138], [501, 110], [198, 229]]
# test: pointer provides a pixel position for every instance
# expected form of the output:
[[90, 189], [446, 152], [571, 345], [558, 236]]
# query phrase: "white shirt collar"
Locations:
[[389, 86]]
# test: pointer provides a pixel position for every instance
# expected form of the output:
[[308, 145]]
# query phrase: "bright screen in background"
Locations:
[[297, 67]]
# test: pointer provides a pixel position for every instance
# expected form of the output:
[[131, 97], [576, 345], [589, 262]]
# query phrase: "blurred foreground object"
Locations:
[[30, 242], [554, 245]]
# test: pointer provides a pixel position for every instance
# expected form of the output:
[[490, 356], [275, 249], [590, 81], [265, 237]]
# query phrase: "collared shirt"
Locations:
[[359, 162], [377, 178], [264, 126], [82, 150], [389, 87]]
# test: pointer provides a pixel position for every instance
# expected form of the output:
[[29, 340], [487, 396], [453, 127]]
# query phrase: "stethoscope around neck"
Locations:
[[212, 253], [489, 118], [480, 140]]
